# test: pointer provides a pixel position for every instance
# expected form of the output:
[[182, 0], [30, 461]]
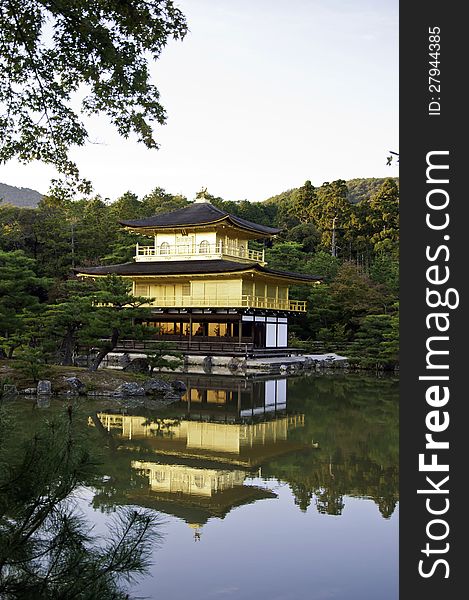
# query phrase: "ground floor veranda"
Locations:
[[207, 330]]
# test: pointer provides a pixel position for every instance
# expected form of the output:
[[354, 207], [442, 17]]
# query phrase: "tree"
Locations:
[[384, 217], [53, 237], [47, 550], [303, 201], [356, 295], [68, 315], [330, 210], [114, 315], [164, 356], [31, 362], [324, 264], [92, 314], [288, 256], [385, 270], [306, 234], [21, 295], [53, 52], [377, 341], [159, 201]]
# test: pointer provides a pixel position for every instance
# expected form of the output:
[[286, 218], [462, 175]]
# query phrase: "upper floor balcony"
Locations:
[[228, 301], [200, 251]]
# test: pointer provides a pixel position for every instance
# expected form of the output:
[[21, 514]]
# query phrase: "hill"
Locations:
[[358, 190], [19, 196]]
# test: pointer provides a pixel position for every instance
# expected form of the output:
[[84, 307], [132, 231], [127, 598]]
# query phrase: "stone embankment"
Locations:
[[74, 387], [234, 365]]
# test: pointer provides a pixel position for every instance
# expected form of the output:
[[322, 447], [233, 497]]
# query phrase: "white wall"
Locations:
[[282, 335], [271, 335]]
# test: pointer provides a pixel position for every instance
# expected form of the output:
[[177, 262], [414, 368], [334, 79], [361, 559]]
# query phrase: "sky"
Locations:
[[260, 96]]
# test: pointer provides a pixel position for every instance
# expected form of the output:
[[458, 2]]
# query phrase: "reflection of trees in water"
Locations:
[[329, 501], [356, 420], [314, 484]]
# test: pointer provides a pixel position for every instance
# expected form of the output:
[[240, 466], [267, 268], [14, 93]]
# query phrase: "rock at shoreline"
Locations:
[[29, 391], [129, 389], [44, 386], [76, 385], [179, 387], [207, 364], [9, 391], [156, 387]]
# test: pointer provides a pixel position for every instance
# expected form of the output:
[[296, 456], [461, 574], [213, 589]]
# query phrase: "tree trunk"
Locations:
[[67, 345], [109, 347]]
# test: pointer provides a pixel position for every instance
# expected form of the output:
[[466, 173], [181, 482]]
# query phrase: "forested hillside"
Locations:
[[347, 232], [357, 190]]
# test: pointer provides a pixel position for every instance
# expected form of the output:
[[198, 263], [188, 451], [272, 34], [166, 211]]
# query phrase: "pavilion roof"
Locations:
[[192, 267], [198, 213]]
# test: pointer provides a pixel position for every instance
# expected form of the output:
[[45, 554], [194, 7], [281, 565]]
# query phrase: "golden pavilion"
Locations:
[[207, 289]]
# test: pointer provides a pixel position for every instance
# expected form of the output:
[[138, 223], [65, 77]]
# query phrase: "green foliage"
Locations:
[[331, 209], [303, 202], [323, 264], [355, 294], [47, 550], [305, 234], [384, 218], [377, 341], [385, 270], [159, 201], [52, 231], [115, 311], [64, 319], [51, 51], [21, 294], [31, 362], [90, 315], [362, 189], [286, 256], [164, 356]]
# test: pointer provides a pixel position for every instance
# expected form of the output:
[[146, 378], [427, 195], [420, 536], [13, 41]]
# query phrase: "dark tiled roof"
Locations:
[[190, 267], [198, 213]]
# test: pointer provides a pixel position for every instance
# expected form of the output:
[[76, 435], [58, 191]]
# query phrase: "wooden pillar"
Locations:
[[190, 329], [240, 330]]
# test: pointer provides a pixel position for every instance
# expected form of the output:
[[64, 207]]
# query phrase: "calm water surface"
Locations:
[[281, 489]]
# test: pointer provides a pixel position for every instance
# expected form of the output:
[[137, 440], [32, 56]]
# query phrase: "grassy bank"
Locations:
[[99, 381]]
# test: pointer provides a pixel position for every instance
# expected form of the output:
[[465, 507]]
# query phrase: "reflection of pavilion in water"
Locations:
[[236, 398], [197, 461], [241, 423]]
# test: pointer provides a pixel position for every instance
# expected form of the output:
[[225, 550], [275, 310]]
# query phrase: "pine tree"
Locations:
[[47, 550]]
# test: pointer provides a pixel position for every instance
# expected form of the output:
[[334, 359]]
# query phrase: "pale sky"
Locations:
[[260, 96]]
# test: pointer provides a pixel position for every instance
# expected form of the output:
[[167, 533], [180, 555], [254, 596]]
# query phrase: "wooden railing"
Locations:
[[184, 345], [163, 252], [244, 301]]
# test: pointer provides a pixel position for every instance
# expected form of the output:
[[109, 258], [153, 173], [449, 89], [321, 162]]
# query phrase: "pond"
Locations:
[[279, 488]]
